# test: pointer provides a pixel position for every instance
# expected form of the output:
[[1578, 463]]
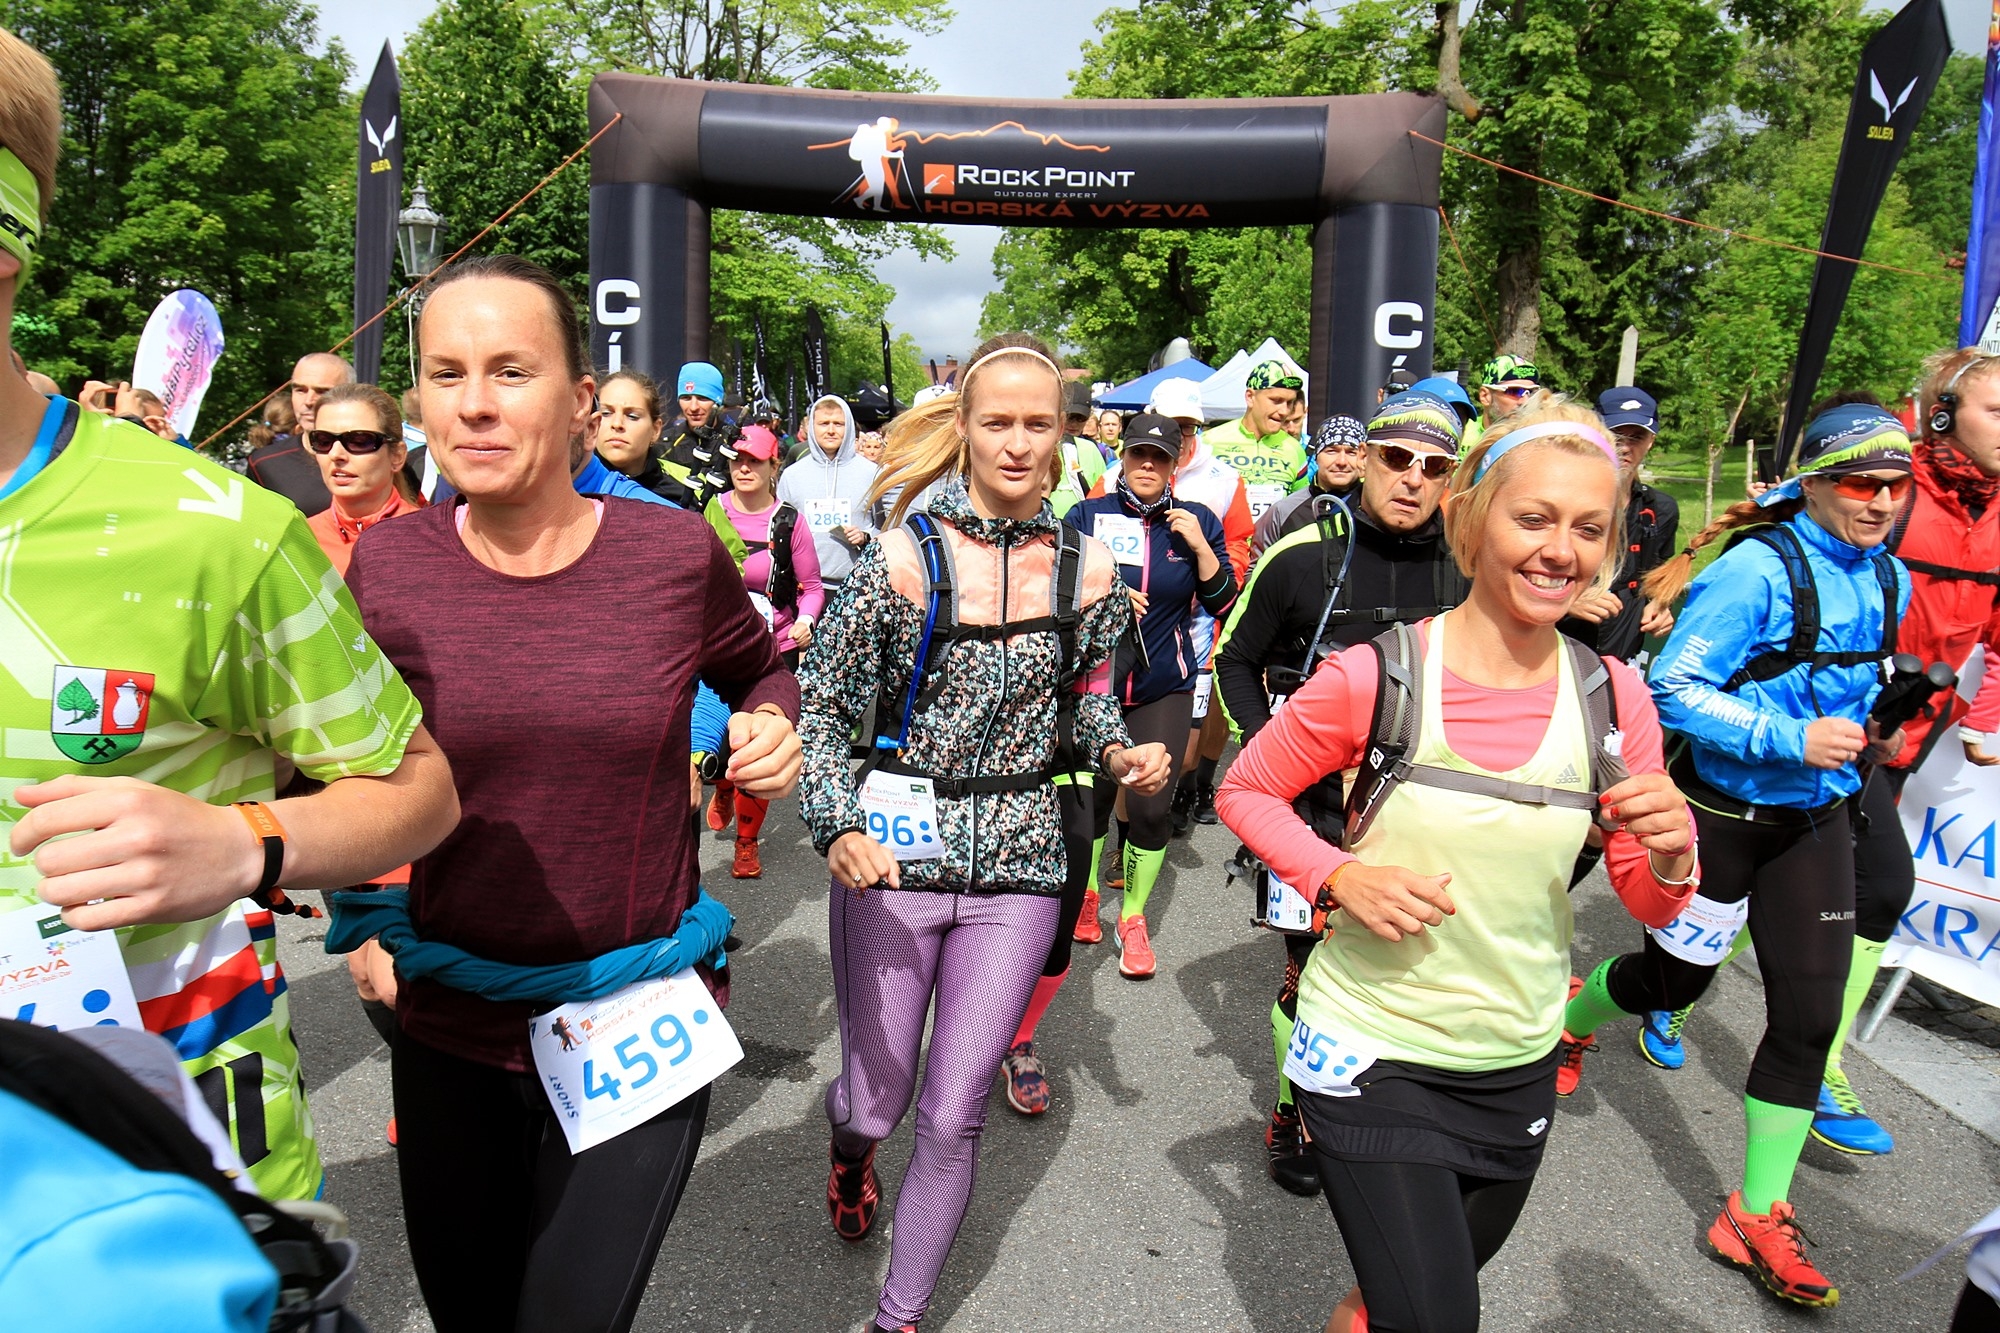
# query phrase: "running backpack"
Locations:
[[1988, 577], [783, 585], [91, 1094], [1803, 648], [1392, 735], [894, 710]]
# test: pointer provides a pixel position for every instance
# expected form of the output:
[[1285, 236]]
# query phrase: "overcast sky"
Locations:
[[993, 48]]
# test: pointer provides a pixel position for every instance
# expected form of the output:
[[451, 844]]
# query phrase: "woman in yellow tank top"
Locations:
[[1425, 1051]]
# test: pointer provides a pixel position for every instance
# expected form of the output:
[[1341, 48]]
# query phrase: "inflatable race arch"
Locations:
[[1346, 165]]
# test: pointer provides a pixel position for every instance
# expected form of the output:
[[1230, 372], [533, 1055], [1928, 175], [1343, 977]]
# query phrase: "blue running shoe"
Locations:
[[1660, 1037], [1841, 1124]]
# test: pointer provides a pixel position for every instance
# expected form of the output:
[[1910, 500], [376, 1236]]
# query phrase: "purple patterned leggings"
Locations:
[[981, 954]]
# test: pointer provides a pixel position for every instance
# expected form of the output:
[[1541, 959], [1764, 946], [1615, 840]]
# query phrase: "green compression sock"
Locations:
[[1736, 947], [1096, 859], [1775, 1138], [1281, 1041], [1142, 872], [1860, 975], [1593, 1006]]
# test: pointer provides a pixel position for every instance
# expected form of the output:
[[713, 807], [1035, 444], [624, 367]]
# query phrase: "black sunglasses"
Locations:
[[354, 441], [1397, 458]]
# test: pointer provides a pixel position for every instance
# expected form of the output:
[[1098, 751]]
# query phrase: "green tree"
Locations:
[[78, 700], [193, 130]]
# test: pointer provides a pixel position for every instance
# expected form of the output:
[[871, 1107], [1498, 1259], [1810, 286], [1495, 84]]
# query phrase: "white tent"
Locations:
[[1222, 392]]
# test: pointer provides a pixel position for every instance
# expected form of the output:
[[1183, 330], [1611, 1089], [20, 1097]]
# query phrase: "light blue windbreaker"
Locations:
[[1750, 743]]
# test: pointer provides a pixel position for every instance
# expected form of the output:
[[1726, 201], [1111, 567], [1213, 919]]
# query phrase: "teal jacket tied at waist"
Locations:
[[384, 915]]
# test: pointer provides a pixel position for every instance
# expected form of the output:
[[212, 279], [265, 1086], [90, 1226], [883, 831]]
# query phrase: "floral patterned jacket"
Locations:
[[995, 712]]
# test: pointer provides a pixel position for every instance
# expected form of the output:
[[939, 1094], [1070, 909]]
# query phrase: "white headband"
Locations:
[[1010, 351]]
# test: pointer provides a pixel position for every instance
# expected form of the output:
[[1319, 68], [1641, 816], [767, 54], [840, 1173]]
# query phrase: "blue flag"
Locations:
[[1979, 317]]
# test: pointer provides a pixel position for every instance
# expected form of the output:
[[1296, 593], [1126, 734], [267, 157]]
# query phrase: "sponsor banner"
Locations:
[[177, 355], [378, 198], [1979, 316], [1063, 166]]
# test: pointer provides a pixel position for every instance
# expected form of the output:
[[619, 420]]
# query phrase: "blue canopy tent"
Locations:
[[1132, 396]]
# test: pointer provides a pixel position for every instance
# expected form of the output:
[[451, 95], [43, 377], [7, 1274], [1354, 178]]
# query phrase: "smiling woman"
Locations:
[[1424, 1056], [574, 847], [357, 439]]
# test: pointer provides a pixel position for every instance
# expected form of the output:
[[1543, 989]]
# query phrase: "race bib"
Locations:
[[1285, 908], [765, 609], [1321, 1062], [825, 515], [1125, 535], [902, 815], [1263, 497], [1204, 685], [611, 1064], [55, 976], [1704, 930]]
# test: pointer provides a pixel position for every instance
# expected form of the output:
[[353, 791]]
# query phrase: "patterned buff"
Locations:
[[1339, 430], [20, 209], [1952, 470], [1853, 438], [1273, 375], [1507, 368], [1415, 418]]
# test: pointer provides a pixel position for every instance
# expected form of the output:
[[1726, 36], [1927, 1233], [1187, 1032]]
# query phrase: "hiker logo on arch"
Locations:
[[96, 714]]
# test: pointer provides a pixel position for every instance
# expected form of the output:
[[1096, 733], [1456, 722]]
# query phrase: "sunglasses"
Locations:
[[1516, 390], [1397, 458], [1862, 487], [354, 441]]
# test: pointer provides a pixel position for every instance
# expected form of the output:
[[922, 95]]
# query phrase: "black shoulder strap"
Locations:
[[1392, 727], [1805, 609], [1066, 600], [783, 584], [894, 711], [1885, 575]]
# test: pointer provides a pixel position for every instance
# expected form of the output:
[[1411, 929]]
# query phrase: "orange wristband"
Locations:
[[264, 827]]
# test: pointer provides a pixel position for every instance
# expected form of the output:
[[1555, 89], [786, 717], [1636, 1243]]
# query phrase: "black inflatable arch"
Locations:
[[1347, 165]]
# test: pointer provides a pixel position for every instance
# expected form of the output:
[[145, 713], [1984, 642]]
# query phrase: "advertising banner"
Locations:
[[1979, 317], [378, 198], [177, 354]]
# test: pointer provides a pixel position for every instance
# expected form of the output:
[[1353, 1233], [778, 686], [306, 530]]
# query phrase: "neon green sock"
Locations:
[[1281, 1041], [1775, 1137], [1736, 947], [1593, 1006], [1096, 859], [1860, 975], [1142, 872]]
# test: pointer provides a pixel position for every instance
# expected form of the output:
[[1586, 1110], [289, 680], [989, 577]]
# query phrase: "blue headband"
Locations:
[[1543, 430]]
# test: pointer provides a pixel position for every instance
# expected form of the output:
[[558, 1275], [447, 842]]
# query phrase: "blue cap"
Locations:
[[700, 379], [1627, 406], [1447, 390]]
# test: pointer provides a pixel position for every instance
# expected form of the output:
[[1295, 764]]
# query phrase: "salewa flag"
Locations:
[[1899, 69], [1979, 317], [819, 378], [888, 371], [378, 198], [760, 366]]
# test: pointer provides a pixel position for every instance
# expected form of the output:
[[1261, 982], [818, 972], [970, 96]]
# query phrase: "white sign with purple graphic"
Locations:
[[177, 354]]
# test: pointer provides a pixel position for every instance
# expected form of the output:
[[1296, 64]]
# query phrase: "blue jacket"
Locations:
[[1749, 743], [1172, 593]]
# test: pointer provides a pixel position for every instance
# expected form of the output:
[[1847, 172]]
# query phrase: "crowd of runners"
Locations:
[[977, 644]]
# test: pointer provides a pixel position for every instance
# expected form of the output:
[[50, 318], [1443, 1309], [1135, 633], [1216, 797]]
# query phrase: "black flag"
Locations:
[[888, 371], [736, 350], [378, 198], [791, 391], [818, 376], [760, 366], [1899, 69]]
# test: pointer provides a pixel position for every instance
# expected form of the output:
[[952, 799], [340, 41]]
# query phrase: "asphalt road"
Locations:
[[1140, 1199]]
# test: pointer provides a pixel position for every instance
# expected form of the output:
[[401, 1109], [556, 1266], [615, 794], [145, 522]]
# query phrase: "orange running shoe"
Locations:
[[746, 865], [1089, 930], [852, 1194], [720, 811], [1772, 1246], [1135, 948], [1570, 1072]]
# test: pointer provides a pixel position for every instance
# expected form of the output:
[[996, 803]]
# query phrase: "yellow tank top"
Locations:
[[1486, 989]]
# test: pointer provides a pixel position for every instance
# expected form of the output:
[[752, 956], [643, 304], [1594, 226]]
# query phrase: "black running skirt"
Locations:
[[1491, 1124]]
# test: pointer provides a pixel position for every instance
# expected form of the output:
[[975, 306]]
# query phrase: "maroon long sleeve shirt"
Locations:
[[562, 702]]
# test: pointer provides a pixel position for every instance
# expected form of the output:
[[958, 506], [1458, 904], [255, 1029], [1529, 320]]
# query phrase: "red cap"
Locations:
[[757, 442]]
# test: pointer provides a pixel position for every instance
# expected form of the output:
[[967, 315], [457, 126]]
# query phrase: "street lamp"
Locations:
[[419, 232]]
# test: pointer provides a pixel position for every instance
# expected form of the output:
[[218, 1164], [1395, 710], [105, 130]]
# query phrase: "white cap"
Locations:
[[1179, 398], [928, 393]]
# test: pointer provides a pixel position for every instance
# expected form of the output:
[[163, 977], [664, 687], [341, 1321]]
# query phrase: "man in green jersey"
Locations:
[[168, 635], [1505, 382], [1257, 444]]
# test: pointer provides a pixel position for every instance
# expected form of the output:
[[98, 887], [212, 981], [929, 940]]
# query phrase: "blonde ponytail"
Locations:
[[1666, 583]]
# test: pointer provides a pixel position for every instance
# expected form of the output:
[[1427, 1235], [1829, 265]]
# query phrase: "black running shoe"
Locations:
[[1291, 1163], [1204, 805]]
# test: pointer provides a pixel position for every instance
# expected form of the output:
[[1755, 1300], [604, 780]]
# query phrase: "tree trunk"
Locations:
[[1450, 87]]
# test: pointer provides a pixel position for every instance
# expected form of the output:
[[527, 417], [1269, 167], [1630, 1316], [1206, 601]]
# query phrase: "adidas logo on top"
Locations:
[[1568, 774]]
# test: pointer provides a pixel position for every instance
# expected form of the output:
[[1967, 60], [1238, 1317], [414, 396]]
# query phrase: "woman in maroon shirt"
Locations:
[[555, 642]]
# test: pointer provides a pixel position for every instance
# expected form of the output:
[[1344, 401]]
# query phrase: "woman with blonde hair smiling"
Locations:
[[1424, 1055], [947, 858]]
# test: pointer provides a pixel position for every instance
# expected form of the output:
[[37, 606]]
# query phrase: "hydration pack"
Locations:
[[1803, 648]]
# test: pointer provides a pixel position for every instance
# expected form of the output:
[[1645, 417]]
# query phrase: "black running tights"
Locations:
[[509, 1233], [1884, 875], [1417, 1236], [1799, 879], [1166, 721]]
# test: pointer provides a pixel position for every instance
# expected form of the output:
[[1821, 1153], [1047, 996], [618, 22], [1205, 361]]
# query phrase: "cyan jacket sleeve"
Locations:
[[1732, 614]]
